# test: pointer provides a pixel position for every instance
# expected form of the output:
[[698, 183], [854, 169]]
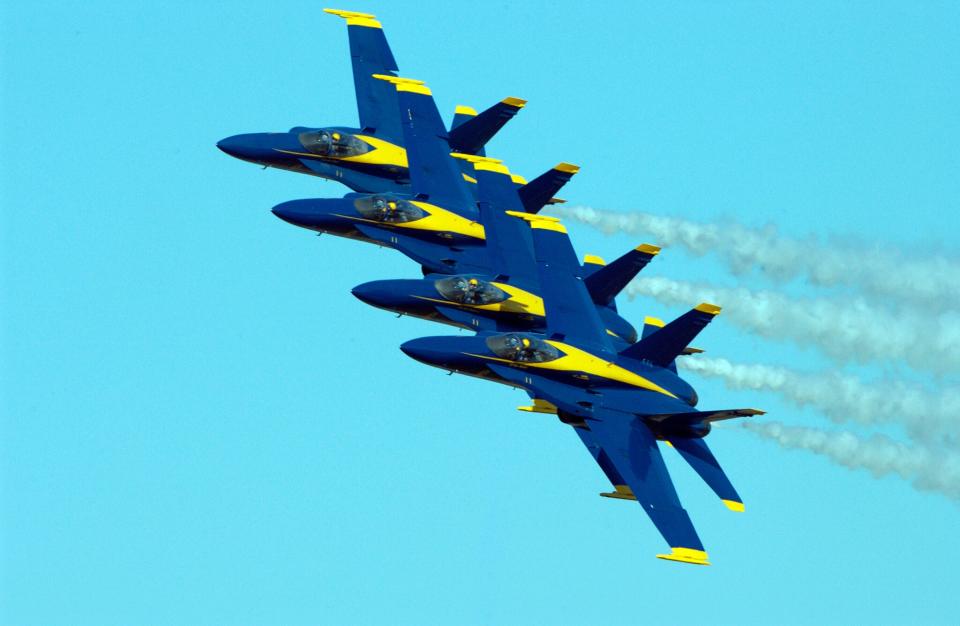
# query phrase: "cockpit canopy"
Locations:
[[470, 290], [523, 348], [333, 143], [388, 208]]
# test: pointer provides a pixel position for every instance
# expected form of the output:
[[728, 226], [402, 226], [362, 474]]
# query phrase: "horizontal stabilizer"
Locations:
[[604, 284], [539, 192], [694, 416], [701, 459], [663, 345], [472, 133]]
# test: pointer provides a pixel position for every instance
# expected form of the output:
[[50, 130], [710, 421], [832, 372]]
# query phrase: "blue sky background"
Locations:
[[200, 425]]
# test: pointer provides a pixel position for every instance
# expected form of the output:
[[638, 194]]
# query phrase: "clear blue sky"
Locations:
[[200, 425]]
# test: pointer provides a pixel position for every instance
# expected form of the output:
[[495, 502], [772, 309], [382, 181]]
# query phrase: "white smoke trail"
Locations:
[[933, 417], [928, 469], [877, 271], [847, 330]]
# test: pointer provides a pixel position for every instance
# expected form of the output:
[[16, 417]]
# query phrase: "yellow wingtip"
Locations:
[[543, 222], [518, 179], [621, 492], [593, 259], [473, 158], [686, 555], [355, 18], [706, 307], [342, 13], [489, 166], [654, 321], [733, 505], [648, 248], [568, 168], [515, 102], [539, 406], [412, 85], [462, 109]]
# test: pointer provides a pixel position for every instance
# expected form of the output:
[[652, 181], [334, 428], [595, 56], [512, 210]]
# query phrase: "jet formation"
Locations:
[[542, 320]]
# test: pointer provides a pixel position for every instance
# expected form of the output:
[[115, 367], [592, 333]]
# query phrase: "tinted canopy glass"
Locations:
[[522, 348], [470, 290], [332, 143], [389, 209]]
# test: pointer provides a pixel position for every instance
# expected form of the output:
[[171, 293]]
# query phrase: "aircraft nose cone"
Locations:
[[263, 148], [297, 212], [420, 350], [375, 293], [236, 146]]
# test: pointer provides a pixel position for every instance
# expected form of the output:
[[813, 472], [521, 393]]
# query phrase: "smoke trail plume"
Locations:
[[931, 282], [927, 469], [928, 416], [847, 330]]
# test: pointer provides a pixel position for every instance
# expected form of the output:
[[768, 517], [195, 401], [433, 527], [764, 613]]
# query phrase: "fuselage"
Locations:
[[476, 302], [566, 375], [362, 161]]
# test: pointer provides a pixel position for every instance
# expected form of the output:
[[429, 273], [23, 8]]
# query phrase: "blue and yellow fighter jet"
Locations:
[[620, 403], [445, 242], [370, 158], [505, 298], [437, 222]]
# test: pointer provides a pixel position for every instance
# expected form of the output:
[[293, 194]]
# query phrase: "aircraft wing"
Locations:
[[370, 54], [508, 240], [571, 313], [434, 175], [626, 449]]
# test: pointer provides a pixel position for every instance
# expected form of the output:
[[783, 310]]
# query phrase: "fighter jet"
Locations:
[[621, 403], [370, 158], [437, 223], [506, 297]]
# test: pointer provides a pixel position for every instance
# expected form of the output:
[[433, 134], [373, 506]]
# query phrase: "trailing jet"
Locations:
[[505, 297], [620, 403], [370, 158], [437, 222]]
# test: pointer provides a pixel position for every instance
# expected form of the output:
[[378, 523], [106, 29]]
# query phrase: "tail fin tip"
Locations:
[[518, 103], [733, 505], [686, 555], [355, 18], [567, 168]]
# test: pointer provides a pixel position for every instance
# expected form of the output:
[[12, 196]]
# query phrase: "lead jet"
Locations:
[[436, 222], [441, 228], [371, 158], [506, 297], [621, 403]]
